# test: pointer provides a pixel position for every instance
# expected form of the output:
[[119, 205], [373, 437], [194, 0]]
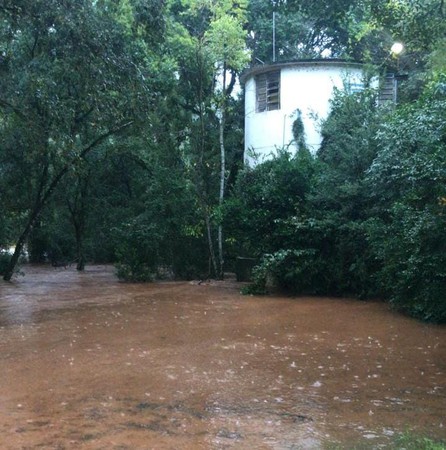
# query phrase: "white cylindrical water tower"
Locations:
[[276, 94]]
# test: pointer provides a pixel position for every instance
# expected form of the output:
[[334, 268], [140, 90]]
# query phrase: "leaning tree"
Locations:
[[71, 79]]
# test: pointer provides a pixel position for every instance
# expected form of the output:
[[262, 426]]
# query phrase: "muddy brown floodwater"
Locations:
[[91, 363]]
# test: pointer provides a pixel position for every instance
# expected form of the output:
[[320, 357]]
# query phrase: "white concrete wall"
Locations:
[[304, 86]]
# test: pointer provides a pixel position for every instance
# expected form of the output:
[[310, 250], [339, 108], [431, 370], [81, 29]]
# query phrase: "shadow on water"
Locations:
[[89, 362]]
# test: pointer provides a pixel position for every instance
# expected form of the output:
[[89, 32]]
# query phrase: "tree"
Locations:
[[306, 217], [263, 197], [408, 180], [288, 30], [212, 35], [226, 39], [340, 201], [69, 82], [77, 205], [363, 31]]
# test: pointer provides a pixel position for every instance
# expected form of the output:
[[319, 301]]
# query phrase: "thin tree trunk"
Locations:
[[78, 212], [80, 251], [200, 191], [22, 240], [78, 223], [221, 196], [210, 243], [222, 173]]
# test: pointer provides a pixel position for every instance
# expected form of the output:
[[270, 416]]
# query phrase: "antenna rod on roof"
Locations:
[[274, 36]]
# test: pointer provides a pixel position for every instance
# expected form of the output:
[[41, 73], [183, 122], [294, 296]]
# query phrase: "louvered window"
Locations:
[[268, 91], [388, 90]]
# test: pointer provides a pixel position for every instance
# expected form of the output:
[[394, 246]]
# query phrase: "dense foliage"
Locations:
[[122, 141], [371, 222]]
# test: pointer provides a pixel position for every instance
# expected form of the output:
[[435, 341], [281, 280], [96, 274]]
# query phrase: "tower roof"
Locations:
[[264, 68]]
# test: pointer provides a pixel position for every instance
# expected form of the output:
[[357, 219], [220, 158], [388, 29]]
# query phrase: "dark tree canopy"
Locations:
[[70, 80]]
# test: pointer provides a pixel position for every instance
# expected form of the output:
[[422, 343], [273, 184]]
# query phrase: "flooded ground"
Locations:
[[91, 363]]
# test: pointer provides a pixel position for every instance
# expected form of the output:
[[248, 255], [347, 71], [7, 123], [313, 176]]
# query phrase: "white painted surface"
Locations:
[[304, 86]]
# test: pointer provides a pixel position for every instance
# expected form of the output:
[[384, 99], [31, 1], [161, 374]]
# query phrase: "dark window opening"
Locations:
[[268, 91]]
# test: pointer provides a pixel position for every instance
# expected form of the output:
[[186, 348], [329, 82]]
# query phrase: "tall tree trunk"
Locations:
[[210, 242], [201, 191], [20, 244], [78, 223], [32, 218], [222, 173], [80, 251], [78, 211]]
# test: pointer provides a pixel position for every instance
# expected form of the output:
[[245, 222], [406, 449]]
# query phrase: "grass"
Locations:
[[404, 441], [408, 441]]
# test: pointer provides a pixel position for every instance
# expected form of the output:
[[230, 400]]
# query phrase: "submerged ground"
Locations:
[[88, 362]]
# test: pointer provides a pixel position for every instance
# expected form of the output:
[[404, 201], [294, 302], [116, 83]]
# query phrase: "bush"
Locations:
[[412, 252], [408, 181], [371, 220], [292, 270], [409, 441], [137, 251], [262, 197], [148, 251]]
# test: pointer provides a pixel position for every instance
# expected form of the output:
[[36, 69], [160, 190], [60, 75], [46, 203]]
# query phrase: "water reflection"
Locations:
[[91, 362]]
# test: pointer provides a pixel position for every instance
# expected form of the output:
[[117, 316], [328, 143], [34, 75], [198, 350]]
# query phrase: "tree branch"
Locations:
[[102, 138], [33, 49], [7, 105], [82, 154]]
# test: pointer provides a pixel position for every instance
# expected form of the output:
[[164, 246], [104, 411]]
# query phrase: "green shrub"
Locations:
[[409, 441], [147, 251], [412, 251], [291, 270], [408, 234], [137, 251]]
